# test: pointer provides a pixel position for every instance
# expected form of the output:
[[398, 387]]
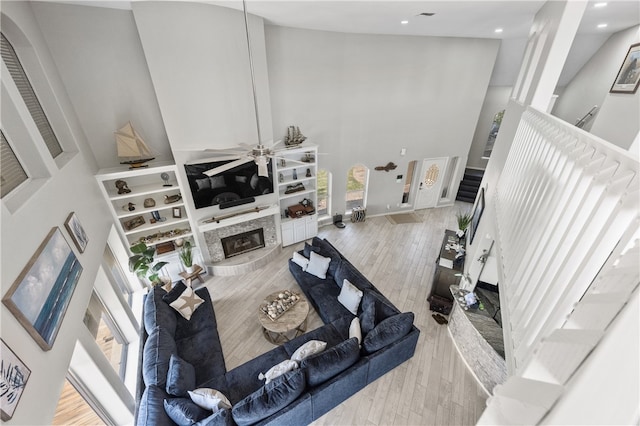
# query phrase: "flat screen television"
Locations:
[[231, 185]]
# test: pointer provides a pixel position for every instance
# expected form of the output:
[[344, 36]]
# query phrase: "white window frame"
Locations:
[[365, 190]]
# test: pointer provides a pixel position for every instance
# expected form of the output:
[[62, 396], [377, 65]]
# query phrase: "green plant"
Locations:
[[141, 263], [186, 256], [464, 220]]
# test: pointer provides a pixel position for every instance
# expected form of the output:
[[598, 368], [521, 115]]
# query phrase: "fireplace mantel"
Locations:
[[249, 215]]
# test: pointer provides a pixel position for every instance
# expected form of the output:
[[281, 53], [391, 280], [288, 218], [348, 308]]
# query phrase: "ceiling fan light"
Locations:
[[262, 166]]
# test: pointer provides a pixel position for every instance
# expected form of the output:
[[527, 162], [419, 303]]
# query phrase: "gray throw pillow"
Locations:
[[151, 408], [184, 412], [156, 357], [374, 310], [270, 398], [181, 376], [387, 332], [323, 366]]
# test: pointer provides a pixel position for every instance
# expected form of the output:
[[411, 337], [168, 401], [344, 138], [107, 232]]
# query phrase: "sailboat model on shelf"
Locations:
[[131, 148]]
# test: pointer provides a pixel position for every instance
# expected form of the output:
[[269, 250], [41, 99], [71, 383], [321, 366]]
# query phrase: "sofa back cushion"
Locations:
[[151, 408], [374, 309], [156, 357], [346, 271], [330, 362], [270, 398], [157, 312], [388, 331]]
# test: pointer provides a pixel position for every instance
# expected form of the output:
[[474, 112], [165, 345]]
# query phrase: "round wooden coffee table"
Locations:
[[289, 325]]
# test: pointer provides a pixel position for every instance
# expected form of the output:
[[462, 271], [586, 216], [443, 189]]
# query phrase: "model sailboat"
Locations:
[[132, 148]]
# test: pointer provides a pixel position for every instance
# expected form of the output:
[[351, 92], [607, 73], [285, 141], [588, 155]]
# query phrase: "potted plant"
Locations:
[[186, 256], [464, 220], [141, 263]]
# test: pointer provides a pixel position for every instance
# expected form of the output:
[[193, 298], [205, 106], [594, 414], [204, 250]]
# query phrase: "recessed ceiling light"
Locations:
[[404, 22], [498, 30], [602, 25], [601, 4]]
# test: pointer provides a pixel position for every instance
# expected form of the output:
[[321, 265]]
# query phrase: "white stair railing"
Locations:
[[567, 221]]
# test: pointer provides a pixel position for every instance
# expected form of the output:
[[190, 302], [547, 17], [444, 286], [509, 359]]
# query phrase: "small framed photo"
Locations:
[[177, 212], [628, 77], [78, 235], [13, 378]]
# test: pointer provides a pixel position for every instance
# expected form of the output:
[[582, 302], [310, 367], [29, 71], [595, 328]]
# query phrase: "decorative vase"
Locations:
[[460, 233], [189, 269]]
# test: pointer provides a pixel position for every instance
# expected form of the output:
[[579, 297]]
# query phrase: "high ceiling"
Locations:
[[453, 18]]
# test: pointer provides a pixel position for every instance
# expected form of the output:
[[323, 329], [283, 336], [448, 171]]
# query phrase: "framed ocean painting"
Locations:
[[41, 294]]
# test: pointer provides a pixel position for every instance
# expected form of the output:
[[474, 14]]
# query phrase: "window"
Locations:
[[12, 173], [324, 193], [29, 96], [357, 179]]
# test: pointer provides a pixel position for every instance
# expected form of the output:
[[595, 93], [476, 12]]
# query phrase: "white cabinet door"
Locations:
[[287, 234], [299, 230], [311, 226]]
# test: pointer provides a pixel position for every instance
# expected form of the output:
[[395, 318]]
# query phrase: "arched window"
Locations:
[[357, 180], [324, 193]]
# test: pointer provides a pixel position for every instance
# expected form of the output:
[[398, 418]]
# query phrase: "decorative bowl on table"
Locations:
[[276, 306]]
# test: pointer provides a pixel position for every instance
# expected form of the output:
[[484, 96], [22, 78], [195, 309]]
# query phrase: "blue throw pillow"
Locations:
[[323, 366], [151, 408], [388, 331], [175, 292], [181, 376], [270, 398], [374, 310], [156, 357], [184, 412]]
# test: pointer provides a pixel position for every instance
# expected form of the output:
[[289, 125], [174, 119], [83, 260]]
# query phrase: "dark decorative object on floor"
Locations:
[[358, 214]]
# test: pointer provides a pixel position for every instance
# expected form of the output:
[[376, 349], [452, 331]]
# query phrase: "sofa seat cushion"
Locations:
[[203, 318], [305, 280], [204, 352], [157, 312], [388, 331], [243, 380], [151, 408], [219, 418], [325, 300], [331, 362], [156, 357], [270, 398]]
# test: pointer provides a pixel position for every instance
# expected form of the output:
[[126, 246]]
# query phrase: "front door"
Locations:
[[430, 184]]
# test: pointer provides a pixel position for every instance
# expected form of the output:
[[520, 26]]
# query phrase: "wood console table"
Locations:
[[446, 268]]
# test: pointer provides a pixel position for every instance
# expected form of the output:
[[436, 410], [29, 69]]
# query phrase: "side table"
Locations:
[[197, 270], [289, 325]]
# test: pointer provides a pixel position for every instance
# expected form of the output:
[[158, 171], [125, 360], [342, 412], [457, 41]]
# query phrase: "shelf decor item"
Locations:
[[77, 232], [628, 77], [13, 379], [141, 263], [122, 187], [165, 178], [133, 223], [294, 137], [40, 295], [132, 148]]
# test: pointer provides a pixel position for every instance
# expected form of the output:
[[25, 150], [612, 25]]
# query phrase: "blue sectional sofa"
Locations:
[[180, 355]]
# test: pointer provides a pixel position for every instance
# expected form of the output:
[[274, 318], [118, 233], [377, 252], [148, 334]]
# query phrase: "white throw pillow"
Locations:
[[312, 347], [209, 399], [318, 265], [300, 260], [355, 330], [187, 303], [278, 370], [350, 296]]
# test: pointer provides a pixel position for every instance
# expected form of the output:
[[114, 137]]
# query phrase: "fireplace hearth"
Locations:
[[245, 242]]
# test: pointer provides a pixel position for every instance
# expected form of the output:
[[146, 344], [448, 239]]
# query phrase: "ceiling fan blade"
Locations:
[[228, 151], [228, 166], [215, 159]]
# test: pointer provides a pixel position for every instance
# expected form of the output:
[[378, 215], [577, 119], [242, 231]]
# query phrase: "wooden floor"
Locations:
[[433, 387]]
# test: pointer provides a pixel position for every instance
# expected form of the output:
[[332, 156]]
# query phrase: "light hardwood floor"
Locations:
[[433, 387]]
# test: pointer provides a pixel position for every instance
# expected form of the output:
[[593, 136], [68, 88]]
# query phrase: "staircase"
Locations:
[[470, 185]]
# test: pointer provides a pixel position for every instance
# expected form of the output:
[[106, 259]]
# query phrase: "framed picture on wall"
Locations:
[[13, 378], [628, 76], [41, 294], [477, 214], [78, 235]]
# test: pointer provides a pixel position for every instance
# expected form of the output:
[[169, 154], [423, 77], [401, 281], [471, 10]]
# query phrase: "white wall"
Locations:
[[495, 101], [113, 84], [362, 98], [617, 117], [71, 188]]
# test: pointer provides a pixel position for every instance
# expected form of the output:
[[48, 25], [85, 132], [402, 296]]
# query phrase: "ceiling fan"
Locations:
[[260, 154]]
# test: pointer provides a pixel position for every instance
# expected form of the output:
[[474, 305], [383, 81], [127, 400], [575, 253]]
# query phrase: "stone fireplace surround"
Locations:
[[214, 236]]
